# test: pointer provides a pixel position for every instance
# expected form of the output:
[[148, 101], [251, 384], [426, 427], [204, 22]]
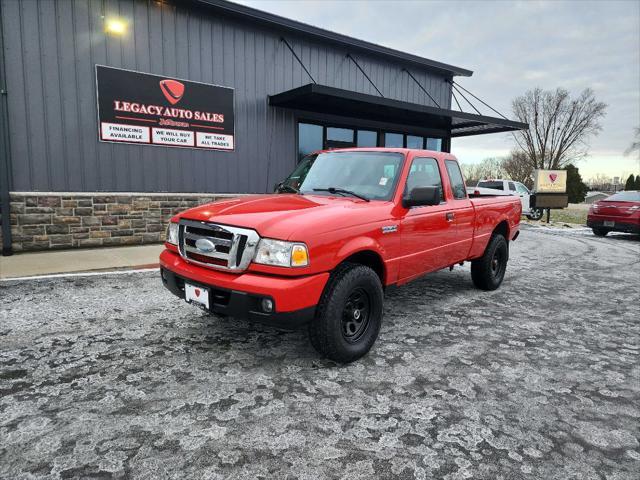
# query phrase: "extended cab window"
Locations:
[[424, 172], [455, 177]]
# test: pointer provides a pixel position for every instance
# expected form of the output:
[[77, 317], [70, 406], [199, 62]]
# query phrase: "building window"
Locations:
[[367, 138], [393, 140], [309, 139], [415, 142], [340, 134], [313, 137], [434, 144]]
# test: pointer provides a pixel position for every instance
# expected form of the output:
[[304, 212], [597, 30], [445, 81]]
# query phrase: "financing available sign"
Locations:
[[550, 181], [142, 108]]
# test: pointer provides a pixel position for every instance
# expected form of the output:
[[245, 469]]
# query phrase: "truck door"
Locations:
[[463, 213], [427, 231]]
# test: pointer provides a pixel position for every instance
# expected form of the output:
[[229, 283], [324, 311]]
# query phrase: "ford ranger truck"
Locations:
[[344, 227]]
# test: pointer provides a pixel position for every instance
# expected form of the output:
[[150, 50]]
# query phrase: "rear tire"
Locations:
[[535, 214], [349, 314], [600, 232], [487, 272]]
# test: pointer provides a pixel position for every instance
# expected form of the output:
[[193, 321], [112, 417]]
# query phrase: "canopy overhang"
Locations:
[[336, 101]]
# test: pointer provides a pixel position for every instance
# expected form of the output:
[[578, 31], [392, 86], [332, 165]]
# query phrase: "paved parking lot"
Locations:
[[113, 377]]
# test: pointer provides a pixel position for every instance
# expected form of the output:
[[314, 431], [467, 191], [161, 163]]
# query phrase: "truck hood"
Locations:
[[287, 216]]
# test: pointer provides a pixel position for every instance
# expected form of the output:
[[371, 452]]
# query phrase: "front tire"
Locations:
[[487, 272], [600, 232], [535, 214], [349, 315]]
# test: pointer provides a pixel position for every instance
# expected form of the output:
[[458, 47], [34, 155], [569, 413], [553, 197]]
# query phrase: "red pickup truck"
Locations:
[[345, 226]]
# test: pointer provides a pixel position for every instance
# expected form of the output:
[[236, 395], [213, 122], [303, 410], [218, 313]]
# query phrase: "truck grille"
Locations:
[[217, 246]]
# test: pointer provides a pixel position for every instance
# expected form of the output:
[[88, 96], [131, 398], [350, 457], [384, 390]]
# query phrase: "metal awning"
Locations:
[[336, 101]]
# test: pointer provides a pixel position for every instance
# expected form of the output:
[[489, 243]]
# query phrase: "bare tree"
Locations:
[[487, 168], [635, 144], [519, 167], [601, 182], [559, 126]]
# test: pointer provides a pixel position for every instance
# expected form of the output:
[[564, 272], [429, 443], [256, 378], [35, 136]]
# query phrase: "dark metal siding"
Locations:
[[52, 47]]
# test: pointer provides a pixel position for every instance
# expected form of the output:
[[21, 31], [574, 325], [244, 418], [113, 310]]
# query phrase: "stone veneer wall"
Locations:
[[43, 221]]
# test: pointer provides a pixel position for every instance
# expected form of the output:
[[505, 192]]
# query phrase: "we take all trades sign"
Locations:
[[148, 109]]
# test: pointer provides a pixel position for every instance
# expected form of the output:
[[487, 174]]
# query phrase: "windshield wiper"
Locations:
[[341, 190], [283, 187]]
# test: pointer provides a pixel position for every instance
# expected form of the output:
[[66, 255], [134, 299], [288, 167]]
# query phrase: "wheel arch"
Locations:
[[502, 229], [371, 259]]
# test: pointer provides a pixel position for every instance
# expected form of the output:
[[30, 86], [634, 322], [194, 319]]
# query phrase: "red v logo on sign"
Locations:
[[552, 177], [172, 90]]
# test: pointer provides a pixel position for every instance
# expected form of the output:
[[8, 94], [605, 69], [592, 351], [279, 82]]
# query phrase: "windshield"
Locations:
[[372, 175], [629, 196]]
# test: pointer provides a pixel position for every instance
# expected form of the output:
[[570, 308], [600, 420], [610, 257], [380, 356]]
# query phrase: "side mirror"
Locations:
[[420, 196], [276, 187]]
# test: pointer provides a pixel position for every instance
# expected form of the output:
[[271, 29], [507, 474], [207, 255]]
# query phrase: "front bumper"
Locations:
[[240, 295], [621, 225]]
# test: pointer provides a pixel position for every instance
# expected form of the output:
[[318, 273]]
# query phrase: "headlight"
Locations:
[[281, 254], [172, 233]]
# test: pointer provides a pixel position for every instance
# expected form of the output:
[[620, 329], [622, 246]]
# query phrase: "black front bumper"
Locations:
[[238, 304], [619, 226]]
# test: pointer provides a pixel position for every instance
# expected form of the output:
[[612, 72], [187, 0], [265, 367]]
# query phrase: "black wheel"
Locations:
[[349, 314], [487, 272], [535, 214], [599, 231]]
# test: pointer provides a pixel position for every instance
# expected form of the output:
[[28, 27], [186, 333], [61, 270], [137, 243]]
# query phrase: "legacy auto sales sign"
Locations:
[[142, 108]]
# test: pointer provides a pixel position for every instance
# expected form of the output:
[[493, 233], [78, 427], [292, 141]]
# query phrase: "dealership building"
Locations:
[[115, 115]]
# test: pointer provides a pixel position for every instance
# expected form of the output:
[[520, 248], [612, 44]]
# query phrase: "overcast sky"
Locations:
[[511, 47]]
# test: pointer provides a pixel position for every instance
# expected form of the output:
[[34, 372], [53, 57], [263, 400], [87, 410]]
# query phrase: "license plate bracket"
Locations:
[[197, 295], [609, 223]]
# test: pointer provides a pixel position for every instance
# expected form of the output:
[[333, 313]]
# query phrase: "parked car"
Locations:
[[348, 225], [618, 213], [509, 187]]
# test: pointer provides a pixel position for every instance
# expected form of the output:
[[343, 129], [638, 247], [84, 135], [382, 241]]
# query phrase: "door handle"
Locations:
[[450, 216]]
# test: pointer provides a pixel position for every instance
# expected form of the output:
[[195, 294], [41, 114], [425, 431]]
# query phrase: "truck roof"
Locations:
[[405, 151]]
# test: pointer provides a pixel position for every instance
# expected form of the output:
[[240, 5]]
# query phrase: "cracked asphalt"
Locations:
[[113, 377]]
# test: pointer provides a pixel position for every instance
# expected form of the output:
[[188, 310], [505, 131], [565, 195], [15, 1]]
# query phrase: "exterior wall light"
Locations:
[[115, 26]]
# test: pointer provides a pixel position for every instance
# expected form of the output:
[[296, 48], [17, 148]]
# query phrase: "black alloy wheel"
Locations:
[[487, 272], [498, 264], [355, 315], [349, 314]]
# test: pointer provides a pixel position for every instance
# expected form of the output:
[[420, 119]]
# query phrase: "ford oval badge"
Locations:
[[205, 245]]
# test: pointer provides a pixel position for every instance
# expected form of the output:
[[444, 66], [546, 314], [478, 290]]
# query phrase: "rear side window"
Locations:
[[512, 187], [494, 185], [424, 172], [455, 177]]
